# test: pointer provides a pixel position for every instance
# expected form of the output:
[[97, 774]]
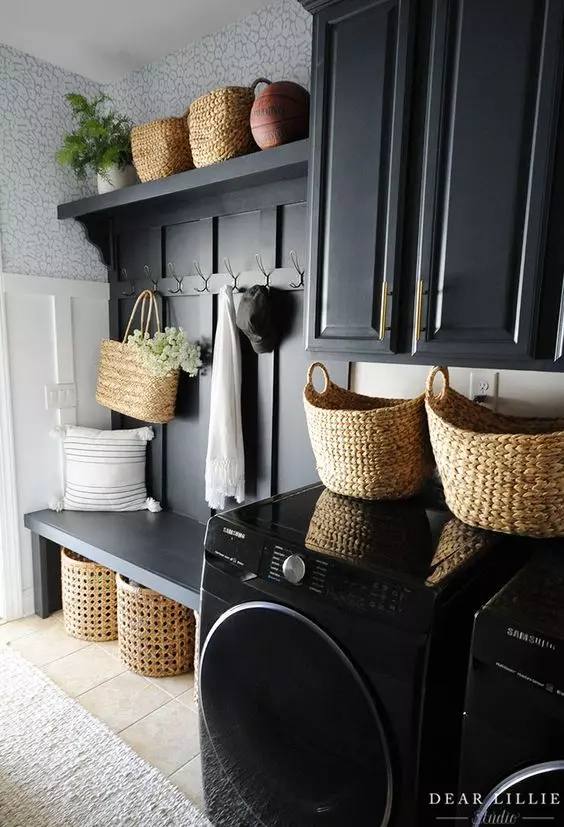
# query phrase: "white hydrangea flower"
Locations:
[[166, 351]]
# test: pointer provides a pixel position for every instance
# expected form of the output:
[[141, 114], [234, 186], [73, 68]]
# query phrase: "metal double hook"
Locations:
[[234, 278], [133, 290], [205, 288], [261, 267], [154, 282], [299, 270], [177, 280], [126, 278]]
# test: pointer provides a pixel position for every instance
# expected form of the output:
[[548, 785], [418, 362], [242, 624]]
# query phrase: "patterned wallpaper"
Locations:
[[33, 117], [274, 42]]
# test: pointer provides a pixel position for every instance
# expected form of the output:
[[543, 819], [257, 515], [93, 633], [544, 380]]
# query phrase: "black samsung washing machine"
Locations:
[[513, 747], [334, 648]]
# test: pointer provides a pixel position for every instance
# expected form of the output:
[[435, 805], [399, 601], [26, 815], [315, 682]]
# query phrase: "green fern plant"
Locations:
[[100, 141]]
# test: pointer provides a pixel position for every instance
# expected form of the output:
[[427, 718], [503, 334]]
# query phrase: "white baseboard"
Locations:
[[28, 603]]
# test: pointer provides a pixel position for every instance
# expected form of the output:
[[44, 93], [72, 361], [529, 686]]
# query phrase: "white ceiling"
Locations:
[[106, 39]]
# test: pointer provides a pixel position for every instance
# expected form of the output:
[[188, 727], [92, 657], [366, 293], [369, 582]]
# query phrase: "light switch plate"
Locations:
[[58, 397]]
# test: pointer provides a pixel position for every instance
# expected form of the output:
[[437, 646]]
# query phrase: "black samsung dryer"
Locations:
[[334, 649], [513, 746]]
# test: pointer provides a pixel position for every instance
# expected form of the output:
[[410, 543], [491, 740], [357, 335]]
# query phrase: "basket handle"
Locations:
[[431, 380], [255, 83], [323, 370], [144, 297]]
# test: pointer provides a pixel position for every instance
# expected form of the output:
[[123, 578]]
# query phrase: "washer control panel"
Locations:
[[282, 565], [358, 591]]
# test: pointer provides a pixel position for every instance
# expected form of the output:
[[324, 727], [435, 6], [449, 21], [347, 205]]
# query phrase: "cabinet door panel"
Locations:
[[361, 58], [494, 73]]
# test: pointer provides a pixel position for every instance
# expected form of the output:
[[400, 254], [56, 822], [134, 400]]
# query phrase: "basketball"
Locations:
[[280, 114]]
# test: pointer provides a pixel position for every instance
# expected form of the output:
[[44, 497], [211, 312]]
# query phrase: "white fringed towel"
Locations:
[[225, 461]]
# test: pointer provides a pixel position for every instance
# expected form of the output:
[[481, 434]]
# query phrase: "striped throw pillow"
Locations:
[[105, 470]]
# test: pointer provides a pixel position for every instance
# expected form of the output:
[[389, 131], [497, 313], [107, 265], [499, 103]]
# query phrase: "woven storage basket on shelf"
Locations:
[[89, 598], [161, 148], [375, 449], [503, 473], [125, 384], [220, 126], [156, 635]]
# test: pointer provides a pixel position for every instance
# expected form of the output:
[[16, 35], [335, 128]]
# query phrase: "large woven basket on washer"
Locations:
[[375, 449], [503, 473], [89, 598], [124, 382], [156, 635], [220, 124]]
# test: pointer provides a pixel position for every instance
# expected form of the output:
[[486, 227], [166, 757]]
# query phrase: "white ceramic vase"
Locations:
[[116, 178]]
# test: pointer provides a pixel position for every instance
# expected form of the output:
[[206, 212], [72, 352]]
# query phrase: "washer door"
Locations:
[[292, 722], [533, 795]]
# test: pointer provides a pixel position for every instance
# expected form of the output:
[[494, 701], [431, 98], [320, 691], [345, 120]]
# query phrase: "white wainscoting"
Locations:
[[50, 330]]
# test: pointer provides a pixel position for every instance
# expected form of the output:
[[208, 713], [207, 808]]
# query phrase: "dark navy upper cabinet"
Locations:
[[433, 198], [488, 148], [360, 80]]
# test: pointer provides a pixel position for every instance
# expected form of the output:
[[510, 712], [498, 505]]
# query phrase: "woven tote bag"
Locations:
[[504, 473], [161, 148], [375, 449], [125, 384], [220, 124]]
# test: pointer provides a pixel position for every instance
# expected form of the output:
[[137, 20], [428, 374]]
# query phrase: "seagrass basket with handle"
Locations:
[[161, 148], [503, 473], [366, 447], [220, 124], [125, 384]]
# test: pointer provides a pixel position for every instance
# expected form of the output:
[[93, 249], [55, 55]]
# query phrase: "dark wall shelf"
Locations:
[[283, 163]]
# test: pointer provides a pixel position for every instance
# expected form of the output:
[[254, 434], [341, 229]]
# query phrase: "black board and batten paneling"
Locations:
[[172, 247]]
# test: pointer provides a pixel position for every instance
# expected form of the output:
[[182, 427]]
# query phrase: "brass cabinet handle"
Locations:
[[383, 311], [418, 309]]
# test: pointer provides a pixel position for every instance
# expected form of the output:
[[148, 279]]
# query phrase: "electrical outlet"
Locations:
[[58, 397], [484, 387]]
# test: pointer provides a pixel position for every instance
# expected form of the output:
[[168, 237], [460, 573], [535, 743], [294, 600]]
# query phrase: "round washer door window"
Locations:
[[534, 795], [291, 721]]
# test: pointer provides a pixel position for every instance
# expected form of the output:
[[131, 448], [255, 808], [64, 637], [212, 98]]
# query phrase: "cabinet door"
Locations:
[[490, 120], [360, 87]]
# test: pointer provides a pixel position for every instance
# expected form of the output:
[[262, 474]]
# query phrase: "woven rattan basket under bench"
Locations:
[[163, 551]]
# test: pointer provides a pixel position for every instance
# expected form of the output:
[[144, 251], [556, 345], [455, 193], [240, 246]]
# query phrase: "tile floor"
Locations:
[[155, 716]]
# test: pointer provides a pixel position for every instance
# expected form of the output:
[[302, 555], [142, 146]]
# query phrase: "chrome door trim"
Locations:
[[515, 778]]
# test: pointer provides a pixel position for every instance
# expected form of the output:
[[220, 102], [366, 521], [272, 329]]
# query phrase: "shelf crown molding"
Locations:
[[315, 6]]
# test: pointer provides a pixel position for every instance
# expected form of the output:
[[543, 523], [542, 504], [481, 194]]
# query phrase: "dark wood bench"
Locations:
[[161, 551]]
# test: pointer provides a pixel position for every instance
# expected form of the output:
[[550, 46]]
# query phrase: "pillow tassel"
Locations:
[[58, 432], [153, 505]]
